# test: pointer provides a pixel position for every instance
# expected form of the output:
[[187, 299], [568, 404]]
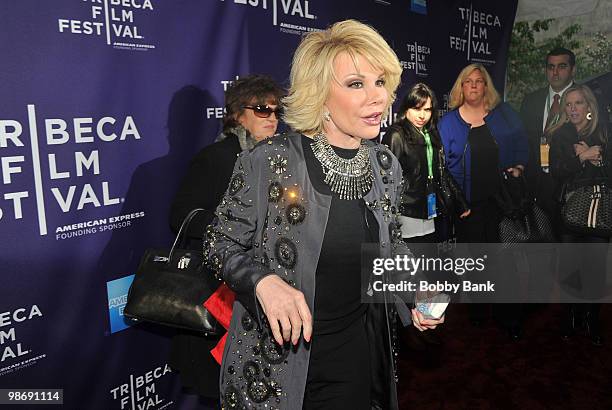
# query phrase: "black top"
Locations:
[[203, 186], [565, 166], [409, 146], [484, 163], [338, 279]]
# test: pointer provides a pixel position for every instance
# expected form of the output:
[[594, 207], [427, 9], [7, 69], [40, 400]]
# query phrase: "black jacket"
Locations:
[[565, 166], [408, 145], [532, 115], [204, 185]]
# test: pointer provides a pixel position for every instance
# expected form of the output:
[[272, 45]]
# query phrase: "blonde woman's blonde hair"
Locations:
[[312, 70], [591, 101], [491, 97]]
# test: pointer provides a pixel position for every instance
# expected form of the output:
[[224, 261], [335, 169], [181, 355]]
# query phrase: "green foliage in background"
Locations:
[[526, 57]]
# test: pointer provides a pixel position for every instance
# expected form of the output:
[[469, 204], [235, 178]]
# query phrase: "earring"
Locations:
[[326, 116], [589, 116]]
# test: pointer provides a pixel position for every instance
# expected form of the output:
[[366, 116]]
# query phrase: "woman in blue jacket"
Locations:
[[482, 137]]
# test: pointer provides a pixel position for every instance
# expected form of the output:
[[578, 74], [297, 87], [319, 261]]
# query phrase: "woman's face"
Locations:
[[419, 117], [576, 109], [356, 101], [254, 120], [474, 87]]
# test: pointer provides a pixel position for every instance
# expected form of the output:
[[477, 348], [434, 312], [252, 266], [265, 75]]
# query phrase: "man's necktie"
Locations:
[[553, 113]]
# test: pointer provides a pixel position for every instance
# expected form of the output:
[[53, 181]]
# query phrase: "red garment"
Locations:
[[217, 352], [220, 305]]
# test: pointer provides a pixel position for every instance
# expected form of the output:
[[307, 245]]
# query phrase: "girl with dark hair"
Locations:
[[431, 196]]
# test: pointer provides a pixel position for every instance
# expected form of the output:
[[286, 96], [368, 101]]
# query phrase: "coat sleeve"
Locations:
[[534, 132], [453, 154], [393, 139], [563, 160], [520, 142], [232, 234], [402, 300], [196, 191], [412, 193], [459, 200]]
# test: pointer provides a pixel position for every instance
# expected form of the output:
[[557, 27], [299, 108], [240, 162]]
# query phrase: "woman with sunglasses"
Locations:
[[252, 114], [289, 233], [431, 196]]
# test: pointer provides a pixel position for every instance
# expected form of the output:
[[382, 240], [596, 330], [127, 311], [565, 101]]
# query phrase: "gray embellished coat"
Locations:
[[272, 221]]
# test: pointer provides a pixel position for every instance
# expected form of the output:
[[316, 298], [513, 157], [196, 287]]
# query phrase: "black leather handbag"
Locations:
[[522, 221], [587, 209], [171, 286], [444, 193]]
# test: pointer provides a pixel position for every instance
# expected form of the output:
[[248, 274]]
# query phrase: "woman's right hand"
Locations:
[[592, 153], [286, 309], [419, 321]]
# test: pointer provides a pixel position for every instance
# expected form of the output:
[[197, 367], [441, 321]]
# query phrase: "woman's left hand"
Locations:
[[580, 148], [465, 214], [419, 321], [516, 171]]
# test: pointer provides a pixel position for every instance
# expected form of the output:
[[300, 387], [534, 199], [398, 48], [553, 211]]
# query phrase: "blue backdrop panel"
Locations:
[[103, 104]]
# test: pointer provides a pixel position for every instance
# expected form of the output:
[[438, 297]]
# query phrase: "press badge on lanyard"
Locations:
[[431, 206], [431, 194]]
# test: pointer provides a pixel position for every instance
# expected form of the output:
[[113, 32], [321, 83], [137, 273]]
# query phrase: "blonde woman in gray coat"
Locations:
[[289, 232]]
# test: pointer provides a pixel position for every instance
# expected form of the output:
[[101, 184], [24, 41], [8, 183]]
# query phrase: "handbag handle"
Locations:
[[181, 233], [506, 175], [515, 201]]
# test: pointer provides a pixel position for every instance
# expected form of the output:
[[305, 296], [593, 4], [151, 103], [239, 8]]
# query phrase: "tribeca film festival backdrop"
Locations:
[[103, 104]]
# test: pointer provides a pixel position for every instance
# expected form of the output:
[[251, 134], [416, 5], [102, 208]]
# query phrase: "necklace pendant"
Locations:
[[348, 178]]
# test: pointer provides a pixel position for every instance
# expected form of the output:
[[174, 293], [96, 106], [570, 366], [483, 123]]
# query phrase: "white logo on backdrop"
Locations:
[[417, 54], [113, 20], [14, 354], [282, 9], [474, 41], [140, 392], [218, 112], [84, 162]]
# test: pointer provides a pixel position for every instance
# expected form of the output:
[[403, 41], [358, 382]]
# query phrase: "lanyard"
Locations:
[[429, 153]]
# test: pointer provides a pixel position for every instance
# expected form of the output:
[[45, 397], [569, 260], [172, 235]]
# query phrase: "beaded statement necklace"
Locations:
[[349, 178]]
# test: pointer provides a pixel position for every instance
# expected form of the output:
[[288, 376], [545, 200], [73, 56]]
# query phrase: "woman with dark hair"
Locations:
[[431, 196], [252, 114], [581, 155]]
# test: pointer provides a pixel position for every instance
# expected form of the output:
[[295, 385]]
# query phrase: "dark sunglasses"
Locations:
[[263, 111]]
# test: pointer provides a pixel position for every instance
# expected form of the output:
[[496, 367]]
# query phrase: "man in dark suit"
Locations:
[[539, 110]]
